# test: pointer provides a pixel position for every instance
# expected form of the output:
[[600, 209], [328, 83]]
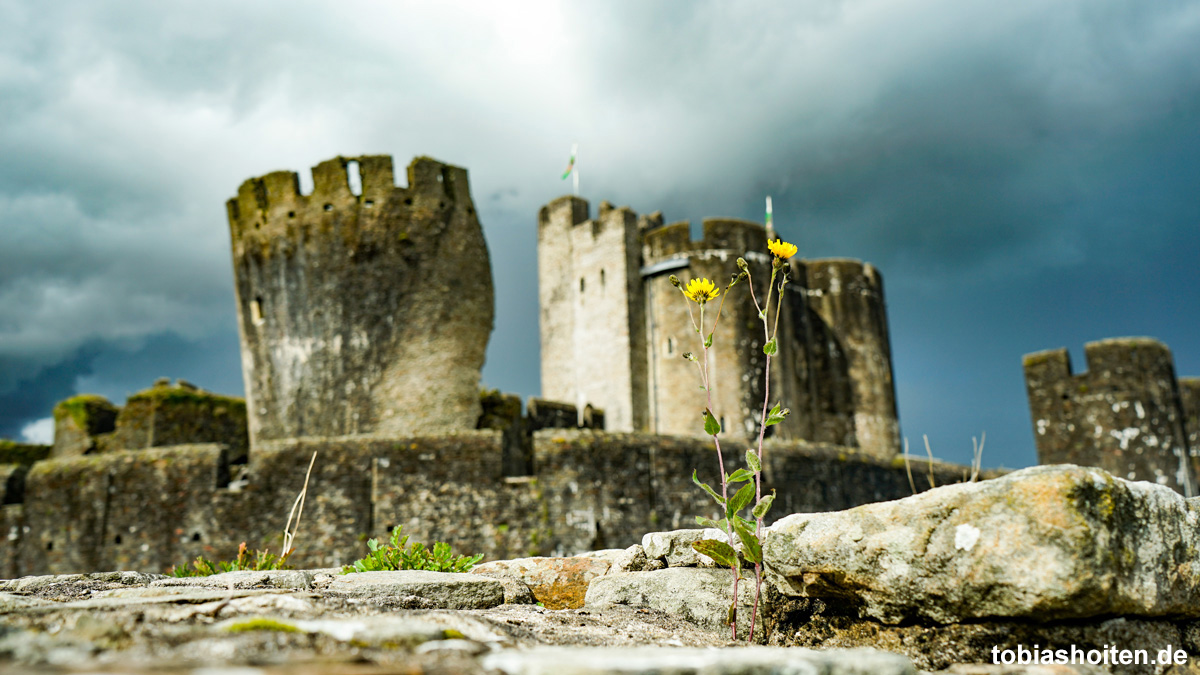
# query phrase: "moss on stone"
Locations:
[[12, 452], [261, 624], [82, 408], [183, 395]]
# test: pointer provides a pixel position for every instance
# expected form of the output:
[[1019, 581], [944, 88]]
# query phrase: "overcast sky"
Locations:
[[1025, 174]]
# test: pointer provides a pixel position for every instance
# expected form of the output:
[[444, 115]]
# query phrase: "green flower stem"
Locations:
[[763, 313]]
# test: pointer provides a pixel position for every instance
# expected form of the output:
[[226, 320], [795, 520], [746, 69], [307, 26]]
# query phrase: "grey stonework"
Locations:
[[154, 508], [613, 330], [361, 313], [1124, 414]]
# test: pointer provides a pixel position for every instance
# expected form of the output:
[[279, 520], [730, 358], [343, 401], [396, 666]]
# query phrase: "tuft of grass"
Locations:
[[401, 555]]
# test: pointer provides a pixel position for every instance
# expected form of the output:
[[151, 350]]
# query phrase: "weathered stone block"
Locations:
[[1044, 543], [557, 583], [442, 590]]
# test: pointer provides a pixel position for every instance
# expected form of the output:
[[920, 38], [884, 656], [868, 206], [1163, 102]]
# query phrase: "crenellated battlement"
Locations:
[[729, 234], [273, 204], [1124, 413]]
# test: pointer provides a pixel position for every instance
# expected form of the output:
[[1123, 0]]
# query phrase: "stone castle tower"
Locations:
[[362, 313], [1127, 414], [613, 330]]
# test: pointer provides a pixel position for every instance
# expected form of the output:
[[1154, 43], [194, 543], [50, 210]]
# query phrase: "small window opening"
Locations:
[[439, 177], [50, 546], [329, 207], [256, 313], [602, 278], [580, 284], [196, 537], [291, 214], [670, 345], [354, 178], [369, 203], [117, 539], [408, 201]]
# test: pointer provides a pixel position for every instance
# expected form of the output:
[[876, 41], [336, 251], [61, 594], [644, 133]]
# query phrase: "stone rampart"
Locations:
[[151, 509]]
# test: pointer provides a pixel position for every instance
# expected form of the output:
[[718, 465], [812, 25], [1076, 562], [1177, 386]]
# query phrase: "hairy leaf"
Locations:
[[740, 500], [717, 550], [739, 476], [711, 426], [712, 493], [764, 505], [771, 347], [752, 460]]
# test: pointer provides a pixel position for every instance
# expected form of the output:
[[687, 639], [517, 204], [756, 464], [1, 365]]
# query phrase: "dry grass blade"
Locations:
[[289, 534], [977, 461], [929, 452], [908, 468]]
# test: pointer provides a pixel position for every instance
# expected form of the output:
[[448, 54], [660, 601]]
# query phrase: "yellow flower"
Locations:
[[701, 290], [781, 248]]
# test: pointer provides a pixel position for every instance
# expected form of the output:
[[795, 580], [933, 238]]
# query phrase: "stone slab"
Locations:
[[1044, 543], [441, 590]]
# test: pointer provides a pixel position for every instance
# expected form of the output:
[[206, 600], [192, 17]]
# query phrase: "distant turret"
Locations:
[[1123, 414]]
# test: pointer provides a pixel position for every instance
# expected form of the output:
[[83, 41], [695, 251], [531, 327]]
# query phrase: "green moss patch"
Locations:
[[262, 624], [90, 412], [12, 452]]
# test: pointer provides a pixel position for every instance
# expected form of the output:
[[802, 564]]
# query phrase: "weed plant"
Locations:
[[401, 555]]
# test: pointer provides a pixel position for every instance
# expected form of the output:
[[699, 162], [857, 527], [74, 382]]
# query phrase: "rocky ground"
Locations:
[[1053, 557]]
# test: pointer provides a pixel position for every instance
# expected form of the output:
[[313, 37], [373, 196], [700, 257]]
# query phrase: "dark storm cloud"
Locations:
[[992, 159]]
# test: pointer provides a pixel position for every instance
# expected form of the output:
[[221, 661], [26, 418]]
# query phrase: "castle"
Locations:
[[613, 330], [364, 317]]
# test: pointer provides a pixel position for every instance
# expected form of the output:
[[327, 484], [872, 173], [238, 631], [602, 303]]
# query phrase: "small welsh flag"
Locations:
[[571, 164]]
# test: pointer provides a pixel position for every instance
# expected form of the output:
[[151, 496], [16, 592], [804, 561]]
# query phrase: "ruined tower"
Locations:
[[604, 288], [363, 313], [1124, 414], [589, 294]]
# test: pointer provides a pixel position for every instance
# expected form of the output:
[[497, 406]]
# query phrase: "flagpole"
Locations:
[[770, 221]]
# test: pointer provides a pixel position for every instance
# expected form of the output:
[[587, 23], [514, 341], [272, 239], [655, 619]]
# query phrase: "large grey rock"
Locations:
[[441, 590], [1044, 543], [699, 595], [683, 661]]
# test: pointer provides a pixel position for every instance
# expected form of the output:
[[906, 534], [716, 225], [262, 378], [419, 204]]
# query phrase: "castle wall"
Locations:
[[852, 339], [590, 490], [592, 333], [1123, 414], [361, 313], [1189, 399], [736, 360]]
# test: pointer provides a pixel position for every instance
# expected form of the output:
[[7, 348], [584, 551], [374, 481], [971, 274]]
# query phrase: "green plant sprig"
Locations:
[[401, 555]]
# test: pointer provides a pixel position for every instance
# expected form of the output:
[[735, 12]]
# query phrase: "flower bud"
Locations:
[[674, 281], [741, 263]]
